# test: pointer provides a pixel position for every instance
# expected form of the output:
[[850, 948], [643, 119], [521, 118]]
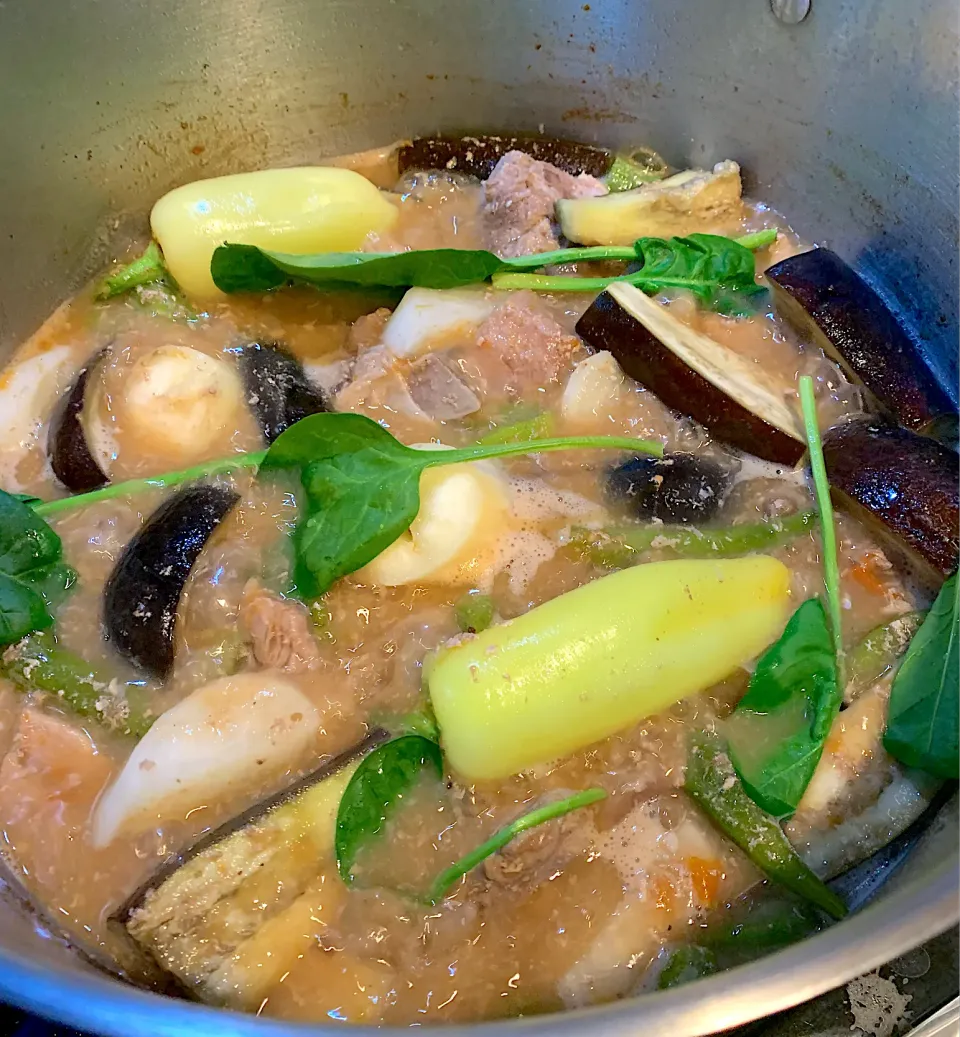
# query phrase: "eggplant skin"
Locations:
[[606, 325], [477, 155], [278, 390], [199, 915], [679, 487], [902, 484], [70, 457], [143, 591], [827, 301]]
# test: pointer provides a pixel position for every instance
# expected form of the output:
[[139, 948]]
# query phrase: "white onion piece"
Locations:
[[591, 389], [430, 317], [233, 732]]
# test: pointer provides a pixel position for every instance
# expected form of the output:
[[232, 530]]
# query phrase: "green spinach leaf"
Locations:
[[777, 732], [504, 835], [709, 265], [363, 487], [377, 785], [924, 714], [246, 268], [31, 571]]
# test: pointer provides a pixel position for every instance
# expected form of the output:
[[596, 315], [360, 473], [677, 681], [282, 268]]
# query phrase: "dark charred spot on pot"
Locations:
[[677, 488], [477, 155], [278, 390], [143, 592], [70, 457], [902, 486], [828, 302]]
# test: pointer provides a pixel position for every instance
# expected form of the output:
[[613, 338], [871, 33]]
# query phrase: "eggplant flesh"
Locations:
[[70, 457], [478, 155], [227, 917], [828, 302], [693, 375], [903, 486], [679, 487], [278, 390], [143, 591]]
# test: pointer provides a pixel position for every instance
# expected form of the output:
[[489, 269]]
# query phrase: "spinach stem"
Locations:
[[572, 255], [569, 283], [758, 239], [533, 446], [499, 839], [255, 458], [828, 532], [131, 486]]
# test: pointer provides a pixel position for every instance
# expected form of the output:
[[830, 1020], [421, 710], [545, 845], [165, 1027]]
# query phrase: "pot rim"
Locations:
[[923, 908]]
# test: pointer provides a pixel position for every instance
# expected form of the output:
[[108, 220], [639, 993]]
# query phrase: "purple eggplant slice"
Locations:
[[679, 487], [902, 485], [70, 457], [478, 155], [143, 591], [278, 390], [693, 374], [827, 301], [206, 914]]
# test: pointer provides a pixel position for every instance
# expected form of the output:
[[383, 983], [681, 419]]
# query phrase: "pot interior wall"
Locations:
[[847, 122]]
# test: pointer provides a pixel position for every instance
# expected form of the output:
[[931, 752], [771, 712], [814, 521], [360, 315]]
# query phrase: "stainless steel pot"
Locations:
[[846, 121]]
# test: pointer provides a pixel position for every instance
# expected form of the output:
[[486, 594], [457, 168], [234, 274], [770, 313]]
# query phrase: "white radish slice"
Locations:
[[228, 734], [428, 318]]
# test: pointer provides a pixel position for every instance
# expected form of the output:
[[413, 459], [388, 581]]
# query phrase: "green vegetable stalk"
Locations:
[[538, 427], [714, 786], [620, 547], [686, 964], [828, 532], [626, 173], [38, 663], [509, 832], [154, 482], [474, 612], [147, 268], [879, 651]]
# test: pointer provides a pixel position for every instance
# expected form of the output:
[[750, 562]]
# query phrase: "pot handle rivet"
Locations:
[[792, 12]]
